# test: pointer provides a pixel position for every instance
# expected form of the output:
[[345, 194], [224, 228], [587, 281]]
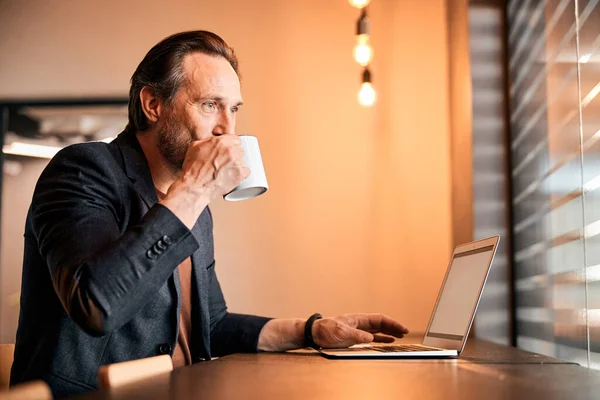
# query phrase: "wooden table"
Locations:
[[483, 371]]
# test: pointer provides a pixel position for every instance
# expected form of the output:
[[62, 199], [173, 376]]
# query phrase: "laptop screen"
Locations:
[[460, 293]]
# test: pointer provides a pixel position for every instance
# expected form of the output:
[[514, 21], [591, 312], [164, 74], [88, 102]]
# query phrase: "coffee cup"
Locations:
[[256, 183]]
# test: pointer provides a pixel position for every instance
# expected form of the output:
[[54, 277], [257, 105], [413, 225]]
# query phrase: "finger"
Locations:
[[383, 338], [235, 173], [231, 157], [348, 337], [245, 171], [229, 138], [197, 142], [378, 323], [360, 336]]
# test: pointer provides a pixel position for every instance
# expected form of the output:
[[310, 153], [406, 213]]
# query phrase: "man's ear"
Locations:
[[150, 104]]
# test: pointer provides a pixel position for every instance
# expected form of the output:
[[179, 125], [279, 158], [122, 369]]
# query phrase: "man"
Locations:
[[119, 261]]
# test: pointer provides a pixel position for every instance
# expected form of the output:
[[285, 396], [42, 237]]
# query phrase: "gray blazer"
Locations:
[[98, 284]]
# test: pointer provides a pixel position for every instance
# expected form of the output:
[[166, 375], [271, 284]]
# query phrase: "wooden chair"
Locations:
[[34, 390], [120, 374], [7, 352]]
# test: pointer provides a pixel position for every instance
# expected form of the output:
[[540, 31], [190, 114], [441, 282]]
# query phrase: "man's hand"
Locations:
[[344, 331], [352, 329], [214, 166]]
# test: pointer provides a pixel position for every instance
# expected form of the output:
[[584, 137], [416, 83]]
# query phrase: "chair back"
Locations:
[[34, 390], [123, 373], [7, 354]]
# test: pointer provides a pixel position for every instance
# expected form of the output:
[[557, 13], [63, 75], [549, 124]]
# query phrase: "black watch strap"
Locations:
[[308, 337]]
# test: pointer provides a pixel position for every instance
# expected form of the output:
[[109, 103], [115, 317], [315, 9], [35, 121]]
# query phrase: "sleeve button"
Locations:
[[164, 348], [157, 249]]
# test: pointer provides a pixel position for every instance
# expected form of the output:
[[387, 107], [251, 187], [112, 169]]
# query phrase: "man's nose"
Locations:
[[225, 124]]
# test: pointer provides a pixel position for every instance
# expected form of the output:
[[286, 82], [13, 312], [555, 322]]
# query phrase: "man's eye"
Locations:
[[209, 106], [235, 109]]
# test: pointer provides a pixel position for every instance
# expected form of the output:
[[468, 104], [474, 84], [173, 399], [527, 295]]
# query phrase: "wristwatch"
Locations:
[[308, 337]]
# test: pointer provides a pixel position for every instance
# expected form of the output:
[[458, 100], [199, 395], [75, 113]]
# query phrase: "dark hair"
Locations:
[[162, 71]]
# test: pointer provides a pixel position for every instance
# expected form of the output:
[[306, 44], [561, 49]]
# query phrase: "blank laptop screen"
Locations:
[[460, 293]]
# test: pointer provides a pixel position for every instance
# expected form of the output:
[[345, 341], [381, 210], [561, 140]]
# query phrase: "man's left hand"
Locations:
[[351, 329]]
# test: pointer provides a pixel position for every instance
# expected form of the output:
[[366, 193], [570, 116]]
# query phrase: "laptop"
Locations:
[[454, 310]]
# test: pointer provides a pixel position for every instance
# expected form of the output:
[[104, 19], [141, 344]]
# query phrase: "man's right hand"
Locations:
[[212, 168]]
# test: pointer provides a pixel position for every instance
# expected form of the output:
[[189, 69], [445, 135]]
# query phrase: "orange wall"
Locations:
[[411, 207], [358, 214]]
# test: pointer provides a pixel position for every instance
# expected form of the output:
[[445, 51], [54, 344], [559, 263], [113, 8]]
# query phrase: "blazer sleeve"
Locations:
[[231, 333], [102, 272]]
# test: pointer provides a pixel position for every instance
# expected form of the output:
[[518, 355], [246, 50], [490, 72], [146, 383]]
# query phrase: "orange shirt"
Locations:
[[182, 354]]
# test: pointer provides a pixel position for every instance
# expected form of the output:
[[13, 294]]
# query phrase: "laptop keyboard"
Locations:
[[406, 348]]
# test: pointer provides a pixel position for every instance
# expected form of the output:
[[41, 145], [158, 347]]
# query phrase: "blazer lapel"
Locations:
[[199, 269], [136, 167]]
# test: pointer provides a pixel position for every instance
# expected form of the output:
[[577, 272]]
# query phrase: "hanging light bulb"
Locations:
[[359, 3], [366, 94], [363, 52]]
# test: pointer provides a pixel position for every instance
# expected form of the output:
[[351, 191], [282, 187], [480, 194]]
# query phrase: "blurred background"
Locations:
[[484, 123]]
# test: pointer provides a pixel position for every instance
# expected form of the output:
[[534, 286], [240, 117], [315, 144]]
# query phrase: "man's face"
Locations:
[[204, 106]]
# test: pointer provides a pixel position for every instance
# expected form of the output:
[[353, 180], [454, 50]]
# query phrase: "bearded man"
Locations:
[[119, 259]]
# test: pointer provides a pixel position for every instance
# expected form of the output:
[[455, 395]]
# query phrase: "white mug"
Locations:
[[256, 183]]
